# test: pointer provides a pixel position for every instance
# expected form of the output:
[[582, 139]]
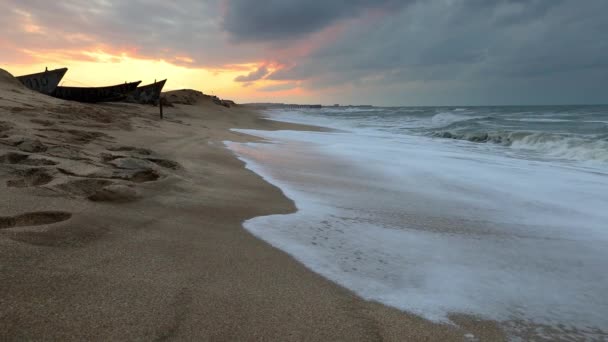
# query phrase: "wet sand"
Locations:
[[115, 225]]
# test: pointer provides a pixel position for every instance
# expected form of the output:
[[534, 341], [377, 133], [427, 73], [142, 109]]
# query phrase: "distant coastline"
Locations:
[[293, 105]]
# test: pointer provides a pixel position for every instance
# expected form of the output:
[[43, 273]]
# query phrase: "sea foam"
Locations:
[[434, 227]]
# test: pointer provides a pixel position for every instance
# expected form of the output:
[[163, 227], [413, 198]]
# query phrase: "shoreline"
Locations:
[[174, 263], [347, 227]]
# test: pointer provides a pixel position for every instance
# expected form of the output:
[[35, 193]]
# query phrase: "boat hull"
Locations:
[[95, 94], [148, 94], [44, 82]]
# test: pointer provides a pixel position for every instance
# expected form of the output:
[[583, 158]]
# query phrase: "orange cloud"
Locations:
[[104, 65]]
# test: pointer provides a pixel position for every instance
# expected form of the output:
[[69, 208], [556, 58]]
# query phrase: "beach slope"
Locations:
[[115, 225]]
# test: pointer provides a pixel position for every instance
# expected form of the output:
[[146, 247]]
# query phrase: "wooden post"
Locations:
[[160, 105]]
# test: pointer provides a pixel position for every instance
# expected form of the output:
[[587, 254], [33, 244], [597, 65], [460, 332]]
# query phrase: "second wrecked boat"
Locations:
[[148, 94], [95, 94]]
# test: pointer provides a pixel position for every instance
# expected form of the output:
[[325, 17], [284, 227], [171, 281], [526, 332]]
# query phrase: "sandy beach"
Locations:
[[115, 225]]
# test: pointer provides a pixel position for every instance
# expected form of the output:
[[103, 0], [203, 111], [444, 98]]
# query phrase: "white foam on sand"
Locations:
[[430, 228]]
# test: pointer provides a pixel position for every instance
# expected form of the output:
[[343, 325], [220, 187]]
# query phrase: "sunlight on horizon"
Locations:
[[100, 68]]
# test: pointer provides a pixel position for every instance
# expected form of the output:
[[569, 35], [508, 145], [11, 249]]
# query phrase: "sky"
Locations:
[[380, 52]]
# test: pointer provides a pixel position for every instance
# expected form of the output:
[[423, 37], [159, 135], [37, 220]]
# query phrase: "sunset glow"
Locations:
[[98, 67], [91, 63]]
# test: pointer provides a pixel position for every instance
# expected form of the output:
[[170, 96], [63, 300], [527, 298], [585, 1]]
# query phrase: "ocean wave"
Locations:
[[444, 119], [553, 145], [572, 134], [339, 110], [540, 120]]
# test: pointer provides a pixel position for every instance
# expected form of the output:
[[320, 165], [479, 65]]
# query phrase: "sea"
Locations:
[[496, 212]]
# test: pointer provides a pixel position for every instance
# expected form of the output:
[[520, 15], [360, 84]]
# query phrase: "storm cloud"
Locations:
[[289, 19], [518, 48]]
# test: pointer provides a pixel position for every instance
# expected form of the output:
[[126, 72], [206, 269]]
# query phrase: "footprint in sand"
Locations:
[[52, 236], [34, 219], [168, 164], [24, 159], [116, 193], [100, 190], [129, 163], [133, 149], [5, 126], [31, 146], [120, 160], [30, 177], [136, 176], [83, 187], [45, 123]]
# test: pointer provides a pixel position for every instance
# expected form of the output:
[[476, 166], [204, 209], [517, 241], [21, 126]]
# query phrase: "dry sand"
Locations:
[[115, 225]]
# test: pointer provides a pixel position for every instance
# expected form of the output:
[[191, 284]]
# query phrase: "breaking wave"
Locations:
[[573, 133], [554, 145], [447, 118]]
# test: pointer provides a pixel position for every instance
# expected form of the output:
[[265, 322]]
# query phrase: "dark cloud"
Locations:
[[289, 19], [467, 44], [254, 75], [287, 73]]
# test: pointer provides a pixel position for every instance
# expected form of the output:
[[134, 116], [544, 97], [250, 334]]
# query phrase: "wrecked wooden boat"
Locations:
[[95, 94], [148, 94], [44, 82]]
